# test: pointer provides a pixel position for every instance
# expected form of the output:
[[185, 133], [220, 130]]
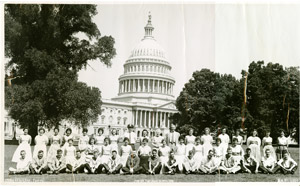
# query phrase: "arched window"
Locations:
[[102, 119], [110, 120], [124, 121], [119, 120]]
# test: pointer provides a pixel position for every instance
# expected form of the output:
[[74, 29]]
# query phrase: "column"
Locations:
[[136, 115], [148, 85], [165, 87], [165, 120], [153, 85], [156, 120], [168, 122], [160, 122], [145, 116]]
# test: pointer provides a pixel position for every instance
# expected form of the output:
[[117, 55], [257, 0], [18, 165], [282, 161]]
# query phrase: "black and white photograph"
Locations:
[[160, 92]]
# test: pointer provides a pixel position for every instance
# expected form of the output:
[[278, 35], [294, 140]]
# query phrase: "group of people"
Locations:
[[169, 154]]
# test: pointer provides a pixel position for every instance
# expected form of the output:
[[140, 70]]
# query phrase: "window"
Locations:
[[124, 121], [110, 119], [102, 119], [125, 112], [119, 120]]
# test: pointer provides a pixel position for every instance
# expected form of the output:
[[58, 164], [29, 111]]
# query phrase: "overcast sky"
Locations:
[[223, 38]]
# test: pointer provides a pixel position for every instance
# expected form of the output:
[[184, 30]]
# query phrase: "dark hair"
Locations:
[[58, 151], [40, 151], [113, 151], [284, 152], [92, 138], [70, 139], [219, 139], [210, 151], [42, 129], [84, 130], [154, 150], [248, 149], [181, 138], [56, 128], [22, 151], [69, 129], [163, 140], [100, 129], [197, 138], [126, 139], [267, 150], [107, 138], [78, 150], [235, 139], [146, 131], [145, 139]]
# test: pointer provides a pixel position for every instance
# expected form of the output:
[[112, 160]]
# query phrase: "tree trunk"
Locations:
[[33, 131]]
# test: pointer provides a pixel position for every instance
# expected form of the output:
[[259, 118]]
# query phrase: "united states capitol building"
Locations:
[[145, 96]]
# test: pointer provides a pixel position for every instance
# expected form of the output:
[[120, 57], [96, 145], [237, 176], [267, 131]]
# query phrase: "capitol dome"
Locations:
[[146, 76]]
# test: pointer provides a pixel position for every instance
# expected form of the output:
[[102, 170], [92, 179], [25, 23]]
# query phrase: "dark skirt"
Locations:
[[144, 162]]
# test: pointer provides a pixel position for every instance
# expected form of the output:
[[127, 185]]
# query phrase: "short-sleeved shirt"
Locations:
[[154, 161], [144, 150], [268, 162], [23, 163], [208, 162], [248, 161], [37, 162], [287, 163]]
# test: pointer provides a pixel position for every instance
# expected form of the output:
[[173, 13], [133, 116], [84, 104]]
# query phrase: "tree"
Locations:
[[208, 100], [45, 56]]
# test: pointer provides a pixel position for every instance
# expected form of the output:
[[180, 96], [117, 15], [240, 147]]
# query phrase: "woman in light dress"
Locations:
[[145, 134], [237, 150], [164, 152], [83, 141], [70, 152], [91, 148], [100, 138], [254, 142], [180, 153], [224, 140], [207, 141], [190, 141], [282, 145], [267, 144], [218, 152], [114, 139], [68, 135], [106, 151], [238, 137], [125, 151], [24, 144], [41, 142], [156, 141], [55, 142], [199, 151]]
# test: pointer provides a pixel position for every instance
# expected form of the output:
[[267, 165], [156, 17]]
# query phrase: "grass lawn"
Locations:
[[9, 150]]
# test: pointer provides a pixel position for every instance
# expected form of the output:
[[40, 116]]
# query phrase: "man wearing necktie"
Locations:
[[172, 137]]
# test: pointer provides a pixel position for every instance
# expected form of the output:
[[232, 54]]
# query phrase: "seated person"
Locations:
[[113, 166], [249, 163], [78, 164], [268, 163], [132, 164], [154, 163], [39, 164], [286, 164], [57, 164], [208, 164], [171, 166], [93, 164], [229, 164], [144, 152], [189, 164], [22, 165]]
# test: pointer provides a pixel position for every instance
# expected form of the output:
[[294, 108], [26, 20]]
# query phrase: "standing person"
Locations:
[[145, 134], [164, 152], [282, 145], [199, 151], [268, 163], [237, 150], [24, 144], [224, 140], [78, 165], [55, 142], [239, 138], [287, 164], [39, 164], [83, 141], [58, 163], [190, 141], [22, 165], [93, 164], [172, 137], [218, 152], [180, 153], [267, 144], [91, 148], [207, 141], [190, 164], [68, 135], [248, 163], [132, 164], [254, 142], [229, 164], [100, 138], [113, 166], [41, 142], [125, 151], [131, 135], [114, 140], [208, 165], [156, 141], [70, 152], [144, 152], [154, 166], [106, 151], [171, 166]]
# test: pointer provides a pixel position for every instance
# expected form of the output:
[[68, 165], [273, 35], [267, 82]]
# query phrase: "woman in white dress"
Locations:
[[68, 135], [91, 148], [156, 141], [267, 144], [238, 137], [83, 141], [237, 150], [100, 138], [164, 152], [145, 134], [224, 140], [180, 153], [41, 142], [282, 145], [207, 141], [24, 144], [70, 152], [106, 151], [254, 142], [190, 141], [55, 142], [114, 139], [125, 152], [218, 152], [199, 151]]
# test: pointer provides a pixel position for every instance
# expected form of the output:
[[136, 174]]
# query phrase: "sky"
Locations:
[[223, 38]]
